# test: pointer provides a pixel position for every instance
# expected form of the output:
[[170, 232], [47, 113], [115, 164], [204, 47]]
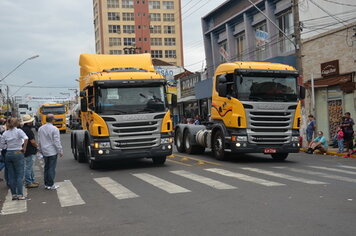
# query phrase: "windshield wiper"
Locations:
[[145, 110], [255, 98], [119, 112]]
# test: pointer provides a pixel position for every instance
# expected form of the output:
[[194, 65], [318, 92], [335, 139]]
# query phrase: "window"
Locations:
[[240, 46], [168, 17], [154, 4], [156, 42], [127, 4], [129, 29], [155, 17], [169, 42], [127, 16], [115, 52], [114, 29], [113, 16], [114, 41], [261, 48], [155, 29], [169, 29], [129, 41], [96, 33], [168, 5], [97, 46], [156, 53], [170, 53], [223, 51], [113, 4], [285, 23]]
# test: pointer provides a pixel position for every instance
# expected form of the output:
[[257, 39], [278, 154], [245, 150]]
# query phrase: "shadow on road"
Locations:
[[128, 164]]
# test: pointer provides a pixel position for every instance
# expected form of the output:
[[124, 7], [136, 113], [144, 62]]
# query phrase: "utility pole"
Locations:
[[298, 41]]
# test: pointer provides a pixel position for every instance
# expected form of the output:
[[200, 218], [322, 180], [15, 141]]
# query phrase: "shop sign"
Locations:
[[329, 68], [188, 84]]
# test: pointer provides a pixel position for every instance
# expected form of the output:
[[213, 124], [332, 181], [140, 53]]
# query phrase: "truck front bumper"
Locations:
[[268, 149], [115, 154]]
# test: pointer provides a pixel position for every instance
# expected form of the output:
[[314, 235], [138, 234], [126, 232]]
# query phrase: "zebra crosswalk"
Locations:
[[218, 179]]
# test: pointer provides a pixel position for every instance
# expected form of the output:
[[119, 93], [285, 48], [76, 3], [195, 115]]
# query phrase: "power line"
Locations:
[[34, 86], [340, 3]]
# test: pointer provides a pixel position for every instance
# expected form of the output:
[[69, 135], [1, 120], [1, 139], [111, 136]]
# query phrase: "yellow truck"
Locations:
[[256, 108], [58, 110], [124, 110]]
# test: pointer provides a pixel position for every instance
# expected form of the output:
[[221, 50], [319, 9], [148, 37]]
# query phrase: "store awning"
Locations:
[[203, 89], [325, 82]]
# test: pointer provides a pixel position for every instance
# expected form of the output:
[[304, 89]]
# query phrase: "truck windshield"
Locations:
[[55, 110], [132, 100], [267, 89]]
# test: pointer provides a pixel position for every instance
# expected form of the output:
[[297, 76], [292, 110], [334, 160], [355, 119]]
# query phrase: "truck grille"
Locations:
[[270, 127], [134, 135]]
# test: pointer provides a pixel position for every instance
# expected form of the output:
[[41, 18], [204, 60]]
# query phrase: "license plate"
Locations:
[[270, 150]]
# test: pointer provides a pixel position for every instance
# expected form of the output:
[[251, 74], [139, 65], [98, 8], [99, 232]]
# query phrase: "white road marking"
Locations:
[[284, 176], [13, 207], [68, 194], [320, 174], [161, 184], [244, 177], [204, 180], [348, 167], [334, 169], [116, 189]]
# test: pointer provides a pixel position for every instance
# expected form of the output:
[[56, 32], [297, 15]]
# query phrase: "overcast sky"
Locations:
[[59, 31]]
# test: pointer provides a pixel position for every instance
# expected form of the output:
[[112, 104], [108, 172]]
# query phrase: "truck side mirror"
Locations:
[[83, 104], [82, 94], [301, 92], [174, 100], [222, 89]]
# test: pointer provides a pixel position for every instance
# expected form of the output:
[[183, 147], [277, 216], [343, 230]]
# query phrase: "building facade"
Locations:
[[329, 64], [139, 26], [236, 30]]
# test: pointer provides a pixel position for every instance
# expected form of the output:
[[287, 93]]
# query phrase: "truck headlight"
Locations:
[[166, 140], [295, 138], [241, 138], [102, 145]]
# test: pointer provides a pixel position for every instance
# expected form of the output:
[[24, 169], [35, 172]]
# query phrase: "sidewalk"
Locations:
[[332, 152]]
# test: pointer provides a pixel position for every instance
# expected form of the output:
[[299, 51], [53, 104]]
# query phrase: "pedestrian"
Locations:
[[311, 127], [340, 139], [50, 147], [319, 143], [12, 139], [347, 125], [31, 151], [197, 120]]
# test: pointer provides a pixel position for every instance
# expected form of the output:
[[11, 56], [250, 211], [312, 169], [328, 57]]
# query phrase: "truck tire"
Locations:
[[178, 137], [187, 143], [279, 156], [218, 146], [159, 160]]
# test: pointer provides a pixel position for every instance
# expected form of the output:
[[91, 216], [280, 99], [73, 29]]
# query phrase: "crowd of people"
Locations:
[[344, 137], [19, 149]]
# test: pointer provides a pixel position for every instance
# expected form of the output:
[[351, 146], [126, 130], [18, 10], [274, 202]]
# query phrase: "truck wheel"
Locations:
[[279, 156], [218, 146], [81, 158], [63, 131], [189, 148], [160, 160], [178, 137], [93, 164]]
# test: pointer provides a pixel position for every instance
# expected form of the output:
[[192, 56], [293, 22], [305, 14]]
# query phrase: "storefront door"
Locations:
[[335, 109]]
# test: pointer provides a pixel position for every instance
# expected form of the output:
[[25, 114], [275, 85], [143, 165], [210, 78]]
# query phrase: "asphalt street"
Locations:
[[190, 195]]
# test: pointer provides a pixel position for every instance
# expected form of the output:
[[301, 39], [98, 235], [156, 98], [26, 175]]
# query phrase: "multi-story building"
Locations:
[[139, 26], [237, 30]]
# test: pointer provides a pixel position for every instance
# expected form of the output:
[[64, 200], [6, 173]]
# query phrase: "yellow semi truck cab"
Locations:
[[256, 108], [124, 111], [59, 112]]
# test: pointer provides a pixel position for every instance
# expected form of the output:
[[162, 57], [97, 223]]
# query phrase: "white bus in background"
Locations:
[[23, 109]]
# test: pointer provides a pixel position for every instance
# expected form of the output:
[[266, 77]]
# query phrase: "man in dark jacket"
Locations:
[[30, 153]]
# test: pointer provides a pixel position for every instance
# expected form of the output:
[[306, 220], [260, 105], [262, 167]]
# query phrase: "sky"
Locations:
[[59, 31]]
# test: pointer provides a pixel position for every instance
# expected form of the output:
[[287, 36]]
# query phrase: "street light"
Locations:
[[21, 88], [30, 58]]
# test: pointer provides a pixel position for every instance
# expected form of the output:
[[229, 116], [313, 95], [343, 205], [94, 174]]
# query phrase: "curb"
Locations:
[[330, 153]]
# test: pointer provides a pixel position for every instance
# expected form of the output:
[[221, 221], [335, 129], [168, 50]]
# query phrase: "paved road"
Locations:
[[191, 195]]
